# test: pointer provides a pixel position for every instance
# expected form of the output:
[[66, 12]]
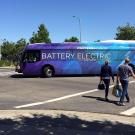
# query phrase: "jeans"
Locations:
[[124, 84], [107, 83]]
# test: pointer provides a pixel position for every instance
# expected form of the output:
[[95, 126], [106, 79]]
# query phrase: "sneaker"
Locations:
[[128, 101], [106, 99], [121, 104]]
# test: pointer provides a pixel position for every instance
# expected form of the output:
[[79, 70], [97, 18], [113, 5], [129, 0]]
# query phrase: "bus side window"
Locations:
[[30, 57], [36, 57]]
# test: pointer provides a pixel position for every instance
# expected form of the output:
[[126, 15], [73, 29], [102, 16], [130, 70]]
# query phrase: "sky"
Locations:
[[99, 18]]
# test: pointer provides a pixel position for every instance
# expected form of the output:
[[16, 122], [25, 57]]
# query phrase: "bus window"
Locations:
[[31, 56]]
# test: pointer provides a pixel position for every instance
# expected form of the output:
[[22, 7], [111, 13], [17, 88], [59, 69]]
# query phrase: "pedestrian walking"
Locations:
[[105, 75], [124, 72]]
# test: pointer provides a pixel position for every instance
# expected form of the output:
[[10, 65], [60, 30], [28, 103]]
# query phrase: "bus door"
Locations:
[[30, 62]]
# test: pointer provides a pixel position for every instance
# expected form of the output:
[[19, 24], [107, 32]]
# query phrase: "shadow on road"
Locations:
[[21, 76], [102, 99], [57, 76], [62, 125]]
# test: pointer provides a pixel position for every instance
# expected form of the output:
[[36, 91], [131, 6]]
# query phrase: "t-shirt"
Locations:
[[124, 71]]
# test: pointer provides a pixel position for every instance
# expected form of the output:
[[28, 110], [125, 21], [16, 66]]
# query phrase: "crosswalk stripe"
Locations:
[[129, 112]]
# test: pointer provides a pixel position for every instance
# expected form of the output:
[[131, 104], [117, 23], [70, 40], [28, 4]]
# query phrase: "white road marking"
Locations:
[[57, 99], [60, 98], [130, 111], [131, 81]]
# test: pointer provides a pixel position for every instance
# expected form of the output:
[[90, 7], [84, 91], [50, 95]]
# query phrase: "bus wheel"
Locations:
[[48, 71]]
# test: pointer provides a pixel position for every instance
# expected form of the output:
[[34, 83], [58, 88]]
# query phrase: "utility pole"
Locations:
[[80, 31]]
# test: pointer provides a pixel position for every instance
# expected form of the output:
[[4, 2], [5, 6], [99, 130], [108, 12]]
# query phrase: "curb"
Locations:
[[7, 67], [87, 116]]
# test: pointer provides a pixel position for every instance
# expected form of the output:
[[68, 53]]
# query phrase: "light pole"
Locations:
[[80, 32]]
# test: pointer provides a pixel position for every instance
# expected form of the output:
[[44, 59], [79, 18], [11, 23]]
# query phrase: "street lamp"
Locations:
[[80, 33]]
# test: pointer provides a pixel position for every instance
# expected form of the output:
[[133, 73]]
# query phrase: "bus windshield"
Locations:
[[31, 56]]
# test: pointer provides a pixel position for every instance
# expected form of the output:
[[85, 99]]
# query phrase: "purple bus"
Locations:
[[74, 58]]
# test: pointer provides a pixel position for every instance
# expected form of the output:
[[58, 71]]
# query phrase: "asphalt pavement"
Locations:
[[23, 98]]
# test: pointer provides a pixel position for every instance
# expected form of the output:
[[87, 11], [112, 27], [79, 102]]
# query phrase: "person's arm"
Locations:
[[101, 78], [132, 73], [111, 74], [133, 76], [101, 72], [118, 78]]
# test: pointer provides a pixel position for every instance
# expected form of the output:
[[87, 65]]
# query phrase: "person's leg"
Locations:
[[107, 82], [127, 97], [124, 92]]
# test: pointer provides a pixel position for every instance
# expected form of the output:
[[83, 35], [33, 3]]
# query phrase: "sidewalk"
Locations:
[[58, 122], [7, 67], [87, 116]]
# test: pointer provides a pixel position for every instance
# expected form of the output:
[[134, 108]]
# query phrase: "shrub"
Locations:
[[5, 63]]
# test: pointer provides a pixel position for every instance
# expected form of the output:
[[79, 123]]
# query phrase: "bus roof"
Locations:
[[118, 41], [117, 45]]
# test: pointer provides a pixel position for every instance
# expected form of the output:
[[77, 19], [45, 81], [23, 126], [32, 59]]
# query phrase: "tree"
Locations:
[[97, 40], [72, 39], [20, 44], [125, 32], [42, 35], [8, 50]]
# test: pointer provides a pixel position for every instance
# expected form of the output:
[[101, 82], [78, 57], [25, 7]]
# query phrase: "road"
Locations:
[[59, 93], [61, 105]]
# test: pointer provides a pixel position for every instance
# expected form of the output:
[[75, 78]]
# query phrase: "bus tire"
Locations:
[[48, 71]]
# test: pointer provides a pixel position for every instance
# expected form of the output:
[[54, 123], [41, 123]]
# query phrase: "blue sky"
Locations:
[[99, 18]]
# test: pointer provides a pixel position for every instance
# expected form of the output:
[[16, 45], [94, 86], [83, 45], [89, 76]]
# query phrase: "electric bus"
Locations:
[[52, 59]]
